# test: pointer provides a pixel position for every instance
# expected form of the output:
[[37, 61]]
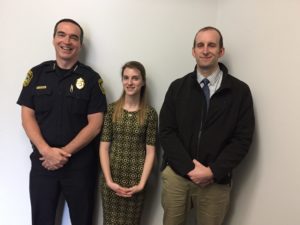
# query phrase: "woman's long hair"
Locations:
[[118, 111]]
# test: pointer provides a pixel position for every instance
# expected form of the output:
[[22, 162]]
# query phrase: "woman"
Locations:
[[127, 149]]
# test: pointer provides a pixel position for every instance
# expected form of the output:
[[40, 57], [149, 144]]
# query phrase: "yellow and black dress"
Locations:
[[127, 156]]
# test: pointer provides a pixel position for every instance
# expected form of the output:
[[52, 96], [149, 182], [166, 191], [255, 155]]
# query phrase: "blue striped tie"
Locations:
[[205, 89]]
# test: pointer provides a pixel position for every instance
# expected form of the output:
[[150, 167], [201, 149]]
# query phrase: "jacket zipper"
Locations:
[[199, 134]]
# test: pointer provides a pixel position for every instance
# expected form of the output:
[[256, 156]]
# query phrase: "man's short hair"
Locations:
[[209, 28], [69, 21]]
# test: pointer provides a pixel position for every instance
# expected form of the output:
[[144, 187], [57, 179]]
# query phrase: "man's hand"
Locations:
[[201, 175], [54, 158]]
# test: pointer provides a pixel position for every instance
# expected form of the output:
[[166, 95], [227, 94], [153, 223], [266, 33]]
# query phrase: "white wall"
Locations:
[[158, 33], [261, 41]]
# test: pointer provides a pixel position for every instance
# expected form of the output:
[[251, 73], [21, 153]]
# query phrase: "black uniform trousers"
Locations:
[[78, 188]]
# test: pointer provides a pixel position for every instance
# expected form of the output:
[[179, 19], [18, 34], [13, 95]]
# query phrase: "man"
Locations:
[[62, 105], [206, 128]]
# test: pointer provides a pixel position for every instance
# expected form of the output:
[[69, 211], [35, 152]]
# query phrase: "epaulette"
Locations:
[[83, 66], [84, 69], [49, 65]]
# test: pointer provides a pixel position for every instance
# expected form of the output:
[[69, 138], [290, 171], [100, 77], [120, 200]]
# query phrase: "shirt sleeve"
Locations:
[[107, 130], [151, 132], [97, 99], [26, 95]]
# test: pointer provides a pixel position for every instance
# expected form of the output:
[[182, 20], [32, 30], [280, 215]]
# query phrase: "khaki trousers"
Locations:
[[179, 195]]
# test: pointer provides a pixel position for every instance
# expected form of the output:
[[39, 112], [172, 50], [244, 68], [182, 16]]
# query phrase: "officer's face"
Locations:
[[132, 81], [207, 50], [66, 42]]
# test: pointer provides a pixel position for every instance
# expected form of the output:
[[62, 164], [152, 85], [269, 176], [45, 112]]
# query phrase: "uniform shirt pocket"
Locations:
[[43, 100], [78, 102]]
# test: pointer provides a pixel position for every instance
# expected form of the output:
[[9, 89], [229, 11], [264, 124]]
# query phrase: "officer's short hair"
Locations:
[[69, 21]]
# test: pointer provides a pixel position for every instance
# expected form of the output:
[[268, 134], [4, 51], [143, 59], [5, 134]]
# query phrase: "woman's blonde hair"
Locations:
[[118, 111]]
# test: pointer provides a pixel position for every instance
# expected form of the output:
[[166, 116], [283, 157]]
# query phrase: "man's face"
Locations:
[[66, 42], [207, 50]]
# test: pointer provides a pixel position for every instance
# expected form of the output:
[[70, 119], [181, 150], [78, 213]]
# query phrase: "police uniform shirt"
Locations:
[[61, 102]]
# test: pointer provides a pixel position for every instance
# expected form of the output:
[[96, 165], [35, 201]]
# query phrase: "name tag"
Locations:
[[41, 87]]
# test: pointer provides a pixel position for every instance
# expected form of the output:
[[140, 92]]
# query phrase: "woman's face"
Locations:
[[132, 81]]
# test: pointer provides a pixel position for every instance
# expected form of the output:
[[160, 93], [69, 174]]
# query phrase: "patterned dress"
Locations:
[[127, 156]]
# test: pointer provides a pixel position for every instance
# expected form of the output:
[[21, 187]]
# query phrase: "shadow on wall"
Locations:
[[153, 191], [242, 179], [98, 204], [84, 50]]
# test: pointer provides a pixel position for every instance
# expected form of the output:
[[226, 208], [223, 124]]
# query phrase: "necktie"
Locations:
[[205, 89]]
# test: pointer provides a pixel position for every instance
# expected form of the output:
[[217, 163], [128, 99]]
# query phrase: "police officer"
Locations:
[[62, 105]]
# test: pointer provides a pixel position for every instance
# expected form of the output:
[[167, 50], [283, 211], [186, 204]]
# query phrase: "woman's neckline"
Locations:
[[133, 111]]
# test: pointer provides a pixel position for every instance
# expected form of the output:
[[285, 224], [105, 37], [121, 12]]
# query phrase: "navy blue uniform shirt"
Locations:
[[61, 102]]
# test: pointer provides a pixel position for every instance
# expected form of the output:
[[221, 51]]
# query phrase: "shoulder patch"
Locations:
[[28, 78], [100, 82]]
